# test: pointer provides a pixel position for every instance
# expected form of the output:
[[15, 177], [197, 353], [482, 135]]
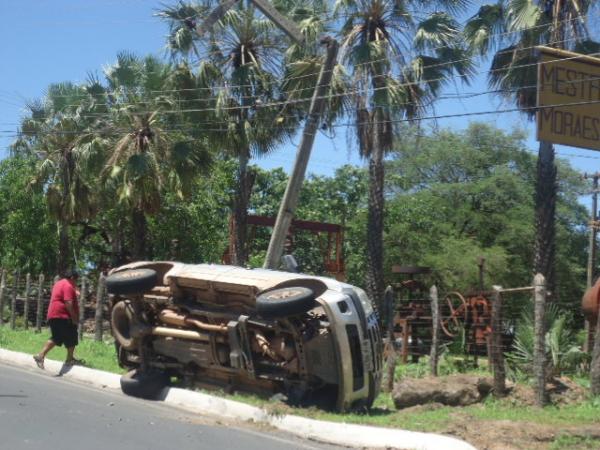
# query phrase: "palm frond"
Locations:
[[481, 28], [513, 73], [523, 15], [437, 30]]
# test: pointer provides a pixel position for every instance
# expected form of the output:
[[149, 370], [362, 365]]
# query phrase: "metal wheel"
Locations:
[[454, 313]]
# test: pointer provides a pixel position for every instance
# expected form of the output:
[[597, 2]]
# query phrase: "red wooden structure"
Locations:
[[331, 249]]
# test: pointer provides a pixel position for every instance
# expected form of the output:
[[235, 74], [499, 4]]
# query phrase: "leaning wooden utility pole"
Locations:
[[285, 24], [290, 198], [292, 190], [587, 344]]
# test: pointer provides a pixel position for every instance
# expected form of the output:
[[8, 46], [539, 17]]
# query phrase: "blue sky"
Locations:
[[42, 42]]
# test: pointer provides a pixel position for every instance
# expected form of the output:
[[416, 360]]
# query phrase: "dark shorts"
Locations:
[[63, 332]]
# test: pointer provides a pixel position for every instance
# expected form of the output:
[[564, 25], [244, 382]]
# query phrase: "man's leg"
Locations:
[[39, 358], [70, 351], [49, 345]]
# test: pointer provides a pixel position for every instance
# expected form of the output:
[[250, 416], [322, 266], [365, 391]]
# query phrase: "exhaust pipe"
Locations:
[[170, 317]]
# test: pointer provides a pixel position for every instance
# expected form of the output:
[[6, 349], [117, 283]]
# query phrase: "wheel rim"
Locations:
[[456, 313]]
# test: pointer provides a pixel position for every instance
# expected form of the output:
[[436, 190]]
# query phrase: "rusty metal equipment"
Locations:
[[412, 321], [471, 312], [590, 303], [331, 244], [412, 313]]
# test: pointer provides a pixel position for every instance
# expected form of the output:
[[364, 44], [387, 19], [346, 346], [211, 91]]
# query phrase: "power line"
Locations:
[[330, 96], [212, 88], [348, 124], [350, 93]]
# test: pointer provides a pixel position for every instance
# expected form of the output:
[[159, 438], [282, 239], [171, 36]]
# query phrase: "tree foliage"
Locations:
[[473, 192], [28, 238]]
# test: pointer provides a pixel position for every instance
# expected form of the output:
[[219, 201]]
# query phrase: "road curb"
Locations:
[[349, 435]]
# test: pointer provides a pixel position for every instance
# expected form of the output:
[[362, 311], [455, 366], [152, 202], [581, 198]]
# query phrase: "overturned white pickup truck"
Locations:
[[311, 338]]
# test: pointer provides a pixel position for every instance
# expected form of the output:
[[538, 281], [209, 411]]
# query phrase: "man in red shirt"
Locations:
[[63, 316]]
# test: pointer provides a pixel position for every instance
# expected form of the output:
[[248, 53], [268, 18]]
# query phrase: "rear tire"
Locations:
[[121, 319], [148, 384], [123, 357], [133, 281], [285, 302]]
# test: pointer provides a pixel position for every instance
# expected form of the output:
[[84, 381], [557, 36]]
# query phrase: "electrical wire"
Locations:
[[366, 91], [353, 124], [446, 63]]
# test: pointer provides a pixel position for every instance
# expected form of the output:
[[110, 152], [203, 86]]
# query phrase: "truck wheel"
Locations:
[[122, 357], [285, 302], [134, 281], [121, 318], [148, 384]]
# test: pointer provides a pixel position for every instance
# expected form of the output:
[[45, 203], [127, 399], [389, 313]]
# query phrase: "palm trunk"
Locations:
[[375, 279], [117, 251], [63, 223], [140, 235], [240, 210], [595, 368], [64, 247], [545, 220]]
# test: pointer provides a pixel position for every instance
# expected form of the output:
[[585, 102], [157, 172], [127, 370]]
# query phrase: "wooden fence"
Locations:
[[24, 301]]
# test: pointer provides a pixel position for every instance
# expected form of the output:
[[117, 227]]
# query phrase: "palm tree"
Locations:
[[514, 28], [556, 23], [397, 66], [148, 152], [57, 132], [237, 70]]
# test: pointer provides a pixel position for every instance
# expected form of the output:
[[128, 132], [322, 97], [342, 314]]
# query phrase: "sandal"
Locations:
[[39, 361], [75, 362]]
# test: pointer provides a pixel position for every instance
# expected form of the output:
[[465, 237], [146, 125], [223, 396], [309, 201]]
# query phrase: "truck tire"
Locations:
[[122, 357], [285, 302], [148, 384], [121, 318], [133, 281]]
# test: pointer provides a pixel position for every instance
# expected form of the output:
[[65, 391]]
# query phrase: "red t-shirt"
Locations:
[[62, 291]]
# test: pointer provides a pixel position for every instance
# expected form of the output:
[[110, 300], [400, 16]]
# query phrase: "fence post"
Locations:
[[13, 303], [2, 290], [99, 308], [388, 306], [595, 366], [496, 351], [26, 305], [40, 304], [435, 323], [539, 347], [83, 296]]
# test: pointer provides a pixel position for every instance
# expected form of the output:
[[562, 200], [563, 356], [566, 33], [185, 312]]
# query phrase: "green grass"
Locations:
[[447, 365], [97, 355], [586, 412], [568, 442]]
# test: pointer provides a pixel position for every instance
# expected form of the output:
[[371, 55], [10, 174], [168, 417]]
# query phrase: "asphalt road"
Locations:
[[41, 411]]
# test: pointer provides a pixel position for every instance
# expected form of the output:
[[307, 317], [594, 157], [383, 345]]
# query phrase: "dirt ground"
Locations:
[[513, 435], [508, 435]]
